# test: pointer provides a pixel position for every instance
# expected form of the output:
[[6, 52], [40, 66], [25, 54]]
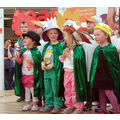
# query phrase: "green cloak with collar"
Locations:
[[38, 75], [112, 59], [80, 73], [57, 51]]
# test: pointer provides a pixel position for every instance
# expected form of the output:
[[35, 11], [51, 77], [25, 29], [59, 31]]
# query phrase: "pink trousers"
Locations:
[[103, 95], [70, 93]]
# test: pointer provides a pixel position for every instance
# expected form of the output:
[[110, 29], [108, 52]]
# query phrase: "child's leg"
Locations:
[[68, 93], [78, 105], [27, 95], [35, 99], [57, 100], [103, 100], [48, 93], [27, 99], [113, 100]]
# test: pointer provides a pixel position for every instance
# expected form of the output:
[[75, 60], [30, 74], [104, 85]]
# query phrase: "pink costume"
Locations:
[[69, 84], [27, 69]]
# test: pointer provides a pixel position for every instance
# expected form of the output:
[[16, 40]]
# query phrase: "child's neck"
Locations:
[[54, 42], [31, 46], [104, 43]]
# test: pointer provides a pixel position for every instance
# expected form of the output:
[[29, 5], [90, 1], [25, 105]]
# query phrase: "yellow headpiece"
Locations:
[[105, 28]]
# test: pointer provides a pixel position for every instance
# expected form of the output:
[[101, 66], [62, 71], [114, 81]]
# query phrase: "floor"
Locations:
[[8, 105]]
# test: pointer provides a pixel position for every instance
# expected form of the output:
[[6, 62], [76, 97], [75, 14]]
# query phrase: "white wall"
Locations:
[[101, 10], [2, 50]]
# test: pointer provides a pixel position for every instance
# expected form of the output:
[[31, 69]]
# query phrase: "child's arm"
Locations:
[[19, 59], [68, 56], [66, 53], [50, 66], [62, 58], [43, 66], [118, 50]]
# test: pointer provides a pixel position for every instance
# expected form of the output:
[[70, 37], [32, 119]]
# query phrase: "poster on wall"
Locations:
[[1, 49]]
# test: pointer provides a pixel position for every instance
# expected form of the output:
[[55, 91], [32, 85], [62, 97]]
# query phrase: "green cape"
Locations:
[[57, 51], [112, 59], [38, 75], [80, 73]]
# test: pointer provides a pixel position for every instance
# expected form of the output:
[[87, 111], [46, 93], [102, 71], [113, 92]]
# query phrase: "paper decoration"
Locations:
[[67, 14], [18, 18], [45, 14]]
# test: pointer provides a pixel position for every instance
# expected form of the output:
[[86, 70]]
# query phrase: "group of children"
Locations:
[[60, 73]]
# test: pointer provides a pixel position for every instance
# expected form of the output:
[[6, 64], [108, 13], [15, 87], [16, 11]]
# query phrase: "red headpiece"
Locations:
[[71, 29], [20, 17]]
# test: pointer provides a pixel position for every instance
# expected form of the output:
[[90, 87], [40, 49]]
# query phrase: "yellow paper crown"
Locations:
[[105, 28]]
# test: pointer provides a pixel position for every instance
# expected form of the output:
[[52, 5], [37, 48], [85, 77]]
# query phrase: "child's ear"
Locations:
[[106, 36], [33, 42]]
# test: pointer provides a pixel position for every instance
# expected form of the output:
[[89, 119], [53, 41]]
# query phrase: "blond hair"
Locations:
[[73, 42]]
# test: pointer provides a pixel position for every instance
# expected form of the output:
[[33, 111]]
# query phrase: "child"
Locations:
[[75, 76], [52, 68], [31, 73], [39, 30], [20, 25], [105, 69]]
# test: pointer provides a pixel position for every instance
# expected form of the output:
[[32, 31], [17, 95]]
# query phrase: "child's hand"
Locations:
[[50, 66], [65, 52], [43, 66], [17, 56]]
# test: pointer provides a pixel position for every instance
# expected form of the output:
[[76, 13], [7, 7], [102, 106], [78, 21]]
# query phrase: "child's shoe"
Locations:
[[77, 111], [34, 108], [45, 109], [95, 103], [67, 111], [26, 107], [87, 107], [20, 99], [56, 110]]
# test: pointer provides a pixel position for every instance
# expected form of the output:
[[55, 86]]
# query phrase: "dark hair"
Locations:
[[8, 39]]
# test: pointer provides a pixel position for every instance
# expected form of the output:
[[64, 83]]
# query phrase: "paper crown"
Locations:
[[94, 19], [18, 18], [37, 23], [69, 22], [104, 28]]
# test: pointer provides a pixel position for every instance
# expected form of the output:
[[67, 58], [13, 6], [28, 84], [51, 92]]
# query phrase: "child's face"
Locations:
[[90, 27], [28, 42], [100, 36], [24, 28], [53, 35], [66, 37], [38, 30]]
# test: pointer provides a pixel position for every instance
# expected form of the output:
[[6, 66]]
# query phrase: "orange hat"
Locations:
[[90, 19], [37, 23]]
